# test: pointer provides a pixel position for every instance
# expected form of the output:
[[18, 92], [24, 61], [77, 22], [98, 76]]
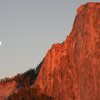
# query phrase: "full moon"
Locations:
[[0, 43]]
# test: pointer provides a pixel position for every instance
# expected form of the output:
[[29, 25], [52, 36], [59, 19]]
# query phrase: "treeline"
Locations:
[[29, 94], [28, 78], [24, 79], [6, 79]]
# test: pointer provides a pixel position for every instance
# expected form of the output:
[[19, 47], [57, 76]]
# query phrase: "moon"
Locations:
[[0, 43]]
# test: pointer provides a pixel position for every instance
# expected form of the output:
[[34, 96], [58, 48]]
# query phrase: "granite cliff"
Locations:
[[70, 70]]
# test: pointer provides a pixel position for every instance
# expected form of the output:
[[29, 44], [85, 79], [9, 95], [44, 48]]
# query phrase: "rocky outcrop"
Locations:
[[71, 70], [7, 89]]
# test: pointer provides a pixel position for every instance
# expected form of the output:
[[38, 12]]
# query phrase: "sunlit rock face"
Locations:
[[7, 89], [71, 70]]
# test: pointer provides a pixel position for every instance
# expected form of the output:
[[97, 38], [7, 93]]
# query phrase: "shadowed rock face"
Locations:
[[71, 70]]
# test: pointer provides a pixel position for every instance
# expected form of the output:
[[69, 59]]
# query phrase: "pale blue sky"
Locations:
[[28, 28]]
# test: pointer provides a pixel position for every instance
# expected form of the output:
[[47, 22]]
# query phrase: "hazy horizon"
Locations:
[[28, 28]]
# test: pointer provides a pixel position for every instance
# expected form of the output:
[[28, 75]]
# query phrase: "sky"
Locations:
[[28, 28]]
